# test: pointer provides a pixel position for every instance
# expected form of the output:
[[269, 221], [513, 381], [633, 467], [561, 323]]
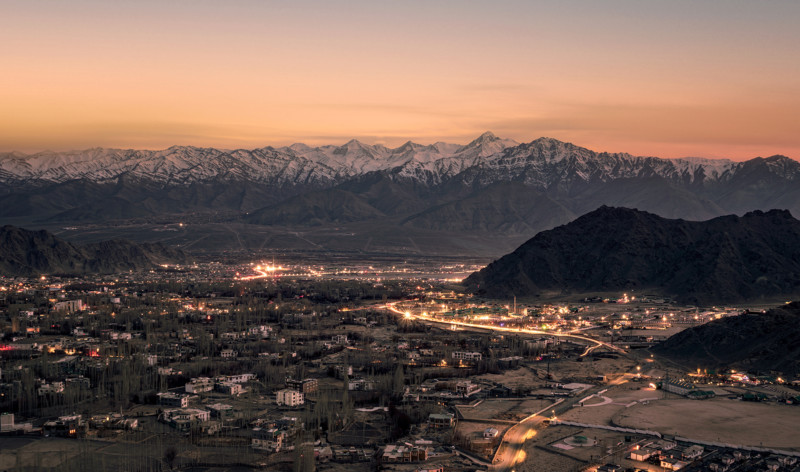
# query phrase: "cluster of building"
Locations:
[[436, 390], [226, 384], [671, 455]]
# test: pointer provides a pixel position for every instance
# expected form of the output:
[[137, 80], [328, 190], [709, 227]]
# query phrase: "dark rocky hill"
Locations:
[[752, 341], [28, 253], [724, 259]]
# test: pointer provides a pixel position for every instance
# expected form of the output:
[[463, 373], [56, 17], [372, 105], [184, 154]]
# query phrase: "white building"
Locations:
[[69, 306], [467, 356], [239, 378], [289, 397]]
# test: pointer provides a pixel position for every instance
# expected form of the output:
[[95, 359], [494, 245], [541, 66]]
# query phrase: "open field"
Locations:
[[602, 408], [536, 456], [720, 419], [506, 409], [519, 378], [605, 446]]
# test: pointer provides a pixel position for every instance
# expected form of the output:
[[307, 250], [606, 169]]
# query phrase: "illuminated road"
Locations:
[[596, 343], [511, 450], [263, 272]]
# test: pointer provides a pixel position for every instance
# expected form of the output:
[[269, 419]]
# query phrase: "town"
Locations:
[[381, 366]]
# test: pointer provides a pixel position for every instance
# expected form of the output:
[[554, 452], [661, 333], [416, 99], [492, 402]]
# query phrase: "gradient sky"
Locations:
[[712, 78]]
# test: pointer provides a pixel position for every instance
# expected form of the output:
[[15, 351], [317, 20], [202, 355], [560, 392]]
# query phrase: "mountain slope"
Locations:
[[28, 253], [653, 194], [503, 207], [316, 208], [751, 341], [725, 259]]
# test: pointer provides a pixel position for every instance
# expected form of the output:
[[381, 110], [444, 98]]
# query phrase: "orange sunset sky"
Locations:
[[711, 78]]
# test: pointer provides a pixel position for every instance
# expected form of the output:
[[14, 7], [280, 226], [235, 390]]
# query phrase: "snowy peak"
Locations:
[[486, 137], [766, 167], [356, 148]]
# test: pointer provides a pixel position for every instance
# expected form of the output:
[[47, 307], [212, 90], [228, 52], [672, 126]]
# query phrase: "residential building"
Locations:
[[306, 386], [183, 419], [362, 385], [64, 426], [199, 385], [228, 354], [271, 439], [220, 410], [404, 453], [643, 453], [229, 388], [671, 463], [467, 356], [289, 397], [51, 388], [69, 306], [467, 388], [239, 378], [693, 452], [173, 400], [441, 420]]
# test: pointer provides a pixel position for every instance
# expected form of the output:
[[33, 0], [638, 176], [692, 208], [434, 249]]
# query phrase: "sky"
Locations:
[[711, 78]]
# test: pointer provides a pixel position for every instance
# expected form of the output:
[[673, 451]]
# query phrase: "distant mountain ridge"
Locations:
[[295, 164], [543, 163], [725, 259], [27, 253], [490, 188]]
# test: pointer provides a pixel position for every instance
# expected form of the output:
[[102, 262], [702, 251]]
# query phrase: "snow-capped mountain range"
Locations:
[[297, 163], [376, 197], [542, 163]]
